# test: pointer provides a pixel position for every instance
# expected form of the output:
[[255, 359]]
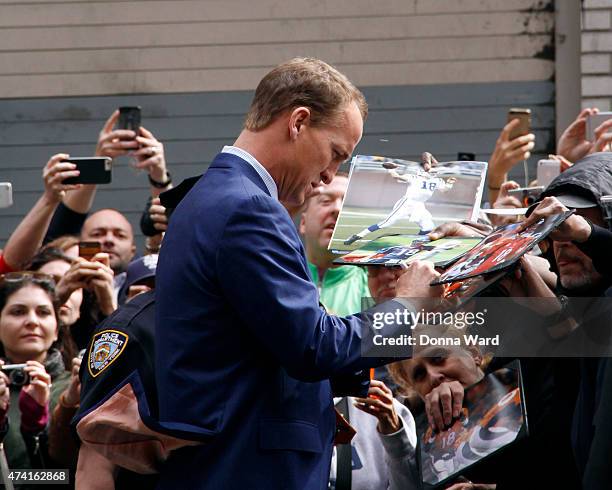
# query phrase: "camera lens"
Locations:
[[18, 377]]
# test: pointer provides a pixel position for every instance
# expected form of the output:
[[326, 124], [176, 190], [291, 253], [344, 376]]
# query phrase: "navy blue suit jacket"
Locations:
[[244, 351]]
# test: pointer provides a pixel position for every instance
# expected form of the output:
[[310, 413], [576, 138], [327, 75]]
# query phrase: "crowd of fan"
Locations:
[[52, 299]]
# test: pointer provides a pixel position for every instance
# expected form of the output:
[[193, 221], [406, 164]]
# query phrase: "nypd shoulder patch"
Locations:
[[106, 347]]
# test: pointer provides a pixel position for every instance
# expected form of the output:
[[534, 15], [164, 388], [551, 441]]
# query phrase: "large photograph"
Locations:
[[389, 196], [500, 249], [493, 417], [396, 250]]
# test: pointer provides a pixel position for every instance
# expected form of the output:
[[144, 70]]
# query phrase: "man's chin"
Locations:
[[573, 282], [117, 266]]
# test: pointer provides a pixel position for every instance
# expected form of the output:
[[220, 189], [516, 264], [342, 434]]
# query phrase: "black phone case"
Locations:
[[93, 171], [129, 118]]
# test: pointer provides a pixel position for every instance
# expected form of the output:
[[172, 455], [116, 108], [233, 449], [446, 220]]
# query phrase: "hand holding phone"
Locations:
[[547, 171], [524, 125], [87, 250], [599, 131], [114, 142], [594, 121]]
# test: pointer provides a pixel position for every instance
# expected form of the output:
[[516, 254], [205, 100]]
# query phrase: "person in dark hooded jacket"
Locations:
[[580, 254]]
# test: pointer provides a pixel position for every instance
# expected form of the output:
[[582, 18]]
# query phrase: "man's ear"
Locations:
[[302, 225], [133, 251], [298, 120]]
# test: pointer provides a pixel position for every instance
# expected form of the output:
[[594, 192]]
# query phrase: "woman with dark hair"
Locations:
[[85, 293], [29, 337]]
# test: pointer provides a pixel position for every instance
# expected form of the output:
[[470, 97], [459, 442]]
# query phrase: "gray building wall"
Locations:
[[439, 76], [596, 60], [404, 121]]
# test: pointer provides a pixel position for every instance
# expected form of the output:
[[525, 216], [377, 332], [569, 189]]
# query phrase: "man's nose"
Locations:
[[109, 239], [337, 206], [387, 274], [327, 175]]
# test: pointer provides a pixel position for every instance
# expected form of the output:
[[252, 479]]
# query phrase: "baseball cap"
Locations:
[[570, 201], [141, 268], [576, 201]]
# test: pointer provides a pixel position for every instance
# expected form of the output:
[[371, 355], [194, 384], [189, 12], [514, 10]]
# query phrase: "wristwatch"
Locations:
[[161, 185]]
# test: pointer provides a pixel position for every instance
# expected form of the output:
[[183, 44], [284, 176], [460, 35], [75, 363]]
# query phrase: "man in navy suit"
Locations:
[[244, 351]]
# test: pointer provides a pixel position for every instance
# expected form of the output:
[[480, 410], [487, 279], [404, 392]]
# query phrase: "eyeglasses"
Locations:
[[35, 277]]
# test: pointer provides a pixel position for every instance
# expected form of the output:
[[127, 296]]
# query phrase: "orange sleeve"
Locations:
[[4, 267]]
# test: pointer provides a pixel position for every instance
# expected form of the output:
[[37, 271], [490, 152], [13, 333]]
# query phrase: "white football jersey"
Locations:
[[421, 188]]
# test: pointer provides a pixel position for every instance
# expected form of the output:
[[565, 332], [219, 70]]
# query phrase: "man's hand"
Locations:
[[72, 280], [508, 153], [574, 228], [603, 137], [95, 275], [453, 229], [101, 282], [414, 283], [54, 173], [393, 173], [135, 290], [114, 143], [530, 281], [443, 404], [573, 143], [72, 394], [150, 156], [380, 404], [472, 486], [504, 201], [157, 213]]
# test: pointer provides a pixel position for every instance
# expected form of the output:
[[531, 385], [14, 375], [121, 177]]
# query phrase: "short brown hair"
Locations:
[[305, 82], [64, 243]]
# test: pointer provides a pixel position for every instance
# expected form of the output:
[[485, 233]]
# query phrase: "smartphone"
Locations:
[[524, 116], [6, 194], [94, 170], [547, 171], [129, 118], [88, 249], [594, 121], [527, 195]]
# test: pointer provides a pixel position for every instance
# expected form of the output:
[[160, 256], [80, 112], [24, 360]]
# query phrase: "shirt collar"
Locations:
[[259, 168]]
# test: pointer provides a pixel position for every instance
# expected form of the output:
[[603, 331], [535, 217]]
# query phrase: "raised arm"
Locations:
[[28, 236], [151, 157], [111, 143]]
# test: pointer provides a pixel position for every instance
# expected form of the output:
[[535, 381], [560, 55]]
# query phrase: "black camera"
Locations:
[[16, 374]]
